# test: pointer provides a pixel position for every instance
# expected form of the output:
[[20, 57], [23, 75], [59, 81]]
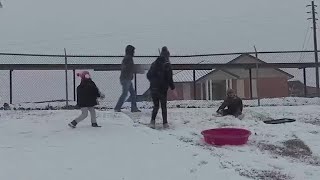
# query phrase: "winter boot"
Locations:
[[241, 116], [73, 124], [165, 126], [152, 124], [95, 125], [135, 110]]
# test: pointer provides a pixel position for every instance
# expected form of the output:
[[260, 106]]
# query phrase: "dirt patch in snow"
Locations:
[[314, 122], [294, 149], [263, 174]]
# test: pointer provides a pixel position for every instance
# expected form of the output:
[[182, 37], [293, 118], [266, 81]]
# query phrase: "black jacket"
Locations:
[[160, 75], [233, 104], [87, 94], [127, 68]]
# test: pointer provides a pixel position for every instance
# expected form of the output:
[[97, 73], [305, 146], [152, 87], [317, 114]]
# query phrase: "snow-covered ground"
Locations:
[[38, 145], [105, 104]]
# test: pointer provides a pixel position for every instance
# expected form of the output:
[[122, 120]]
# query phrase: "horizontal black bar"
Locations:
[[154, 56], [117, 67]]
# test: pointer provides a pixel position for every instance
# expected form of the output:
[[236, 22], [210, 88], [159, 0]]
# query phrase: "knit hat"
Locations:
[[84, 75]]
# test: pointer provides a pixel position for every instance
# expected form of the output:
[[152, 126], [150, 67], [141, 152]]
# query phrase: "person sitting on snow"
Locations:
[[234, 104]]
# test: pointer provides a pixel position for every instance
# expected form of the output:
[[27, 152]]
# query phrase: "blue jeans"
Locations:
[[127, 87]]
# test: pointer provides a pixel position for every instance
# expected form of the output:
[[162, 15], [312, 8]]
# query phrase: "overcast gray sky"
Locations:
[[106, 26], [185, 26]]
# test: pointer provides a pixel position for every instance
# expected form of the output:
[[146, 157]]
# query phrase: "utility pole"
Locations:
[[314, 19]]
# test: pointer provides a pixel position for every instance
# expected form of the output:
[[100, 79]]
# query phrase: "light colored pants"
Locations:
[[127, 87], [84, 114]]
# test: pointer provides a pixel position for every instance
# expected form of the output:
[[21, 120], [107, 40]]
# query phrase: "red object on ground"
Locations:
[[226, 136]]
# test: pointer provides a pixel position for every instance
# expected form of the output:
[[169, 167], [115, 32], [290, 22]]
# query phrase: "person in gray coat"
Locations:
[[126, 77]]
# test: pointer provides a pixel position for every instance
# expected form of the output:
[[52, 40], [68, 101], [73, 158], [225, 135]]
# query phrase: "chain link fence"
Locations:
[[24, 81]]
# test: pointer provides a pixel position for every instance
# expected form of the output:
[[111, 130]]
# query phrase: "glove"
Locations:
[[102, 96], [173, 87], [219, 111]]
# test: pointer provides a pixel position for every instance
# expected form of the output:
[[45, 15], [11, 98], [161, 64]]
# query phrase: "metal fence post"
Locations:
[[257, 82], [74, 85], [257, 76], [250, 82], [305, 83], [11, 86], [66, 75], [194, 85], [135, 83]]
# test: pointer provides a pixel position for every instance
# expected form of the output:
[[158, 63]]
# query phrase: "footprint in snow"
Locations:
[[193, 170], [202, 163], [25, 132]]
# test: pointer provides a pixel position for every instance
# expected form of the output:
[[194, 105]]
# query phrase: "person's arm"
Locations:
[[223, 105], [170, 76], [241, 104], [95, 89], [78, 95], [150, 73], [97, 92]]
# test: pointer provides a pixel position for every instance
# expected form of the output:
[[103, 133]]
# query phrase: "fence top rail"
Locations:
[[116, 67], [151, 56]]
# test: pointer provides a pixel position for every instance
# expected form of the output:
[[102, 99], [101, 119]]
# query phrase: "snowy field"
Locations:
[[39, 145], [286, 101]]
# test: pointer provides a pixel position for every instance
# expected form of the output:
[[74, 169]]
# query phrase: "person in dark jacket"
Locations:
[[234, 104], [126, 76], [160, 77], [87, 94]]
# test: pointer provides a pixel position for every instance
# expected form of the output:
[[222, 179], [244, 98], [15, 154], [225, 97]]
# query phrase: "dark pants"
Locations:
[[127, 87], [159, 98], [235, 113]]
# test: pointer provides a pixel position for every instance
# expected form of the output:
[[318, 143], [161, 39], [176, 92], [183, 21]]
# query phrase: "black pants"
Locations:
[[159, 98], [235, 113]]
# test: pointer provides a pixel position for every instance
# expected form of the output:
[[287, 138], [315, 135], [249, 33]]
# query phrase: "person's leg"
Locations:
[[93, 115], [226, 112], [163, 100], [125, 88], [133, 96], [238, 114], [84, 114], [155, 99]]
